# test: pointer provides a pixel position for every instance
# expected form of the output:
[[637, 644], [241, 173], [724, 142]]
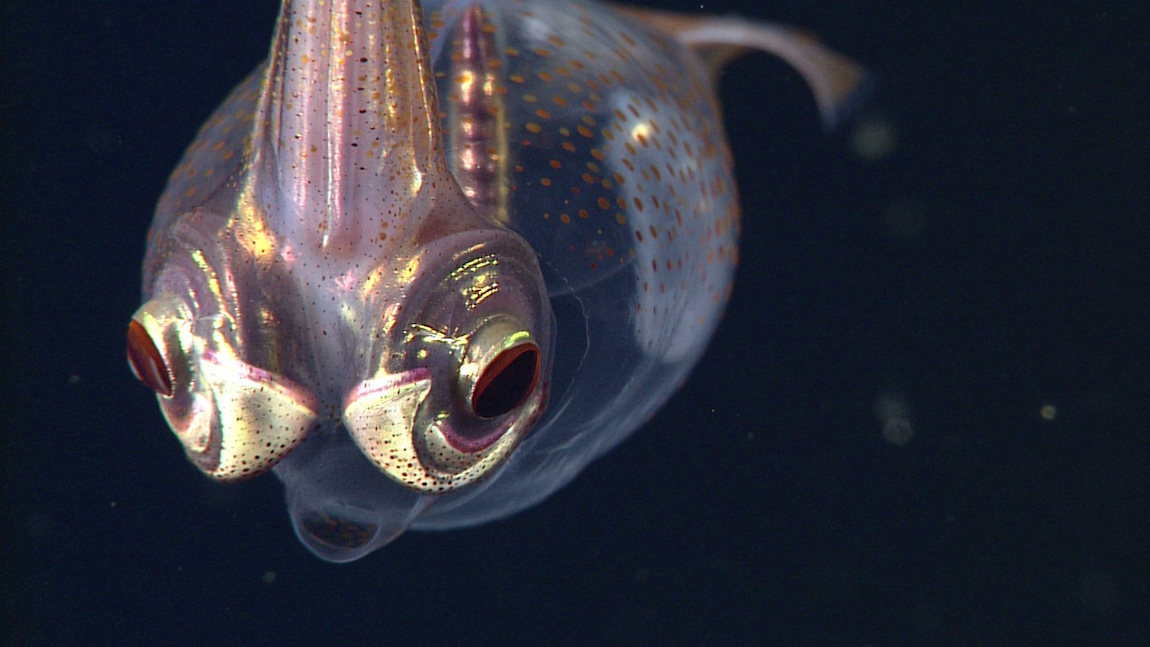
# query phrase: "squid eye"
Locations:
[[147, 362], [506, 381]]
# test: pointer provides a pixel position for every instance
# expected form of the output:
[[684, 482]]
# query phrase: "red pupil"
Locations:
[[506, 382], [146, 361]]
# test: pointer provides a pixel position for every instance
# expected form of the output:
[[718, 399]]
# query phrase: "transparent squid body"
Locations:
[[426, 263]]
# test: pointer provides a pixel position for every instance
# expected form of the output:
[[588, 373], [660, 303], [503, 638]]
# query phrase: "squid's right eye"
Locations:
[[157, 338], [147, 362]]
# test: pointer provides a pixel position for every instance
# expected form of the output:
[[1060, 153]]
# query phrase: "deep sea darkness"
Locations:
[[986, 282]]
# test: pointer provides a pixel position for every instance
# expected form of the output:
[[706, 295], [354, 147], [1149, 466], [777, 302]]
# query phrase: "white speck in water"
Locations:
[[874, 138], [893, 413]]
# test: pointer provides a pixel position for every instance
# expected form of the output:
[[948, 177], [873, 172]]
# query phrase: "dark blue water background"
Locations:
[[990, 274]]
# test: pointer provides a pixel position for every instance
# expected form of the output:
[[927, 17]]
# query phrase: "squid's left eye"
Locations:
[[506, 381]]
